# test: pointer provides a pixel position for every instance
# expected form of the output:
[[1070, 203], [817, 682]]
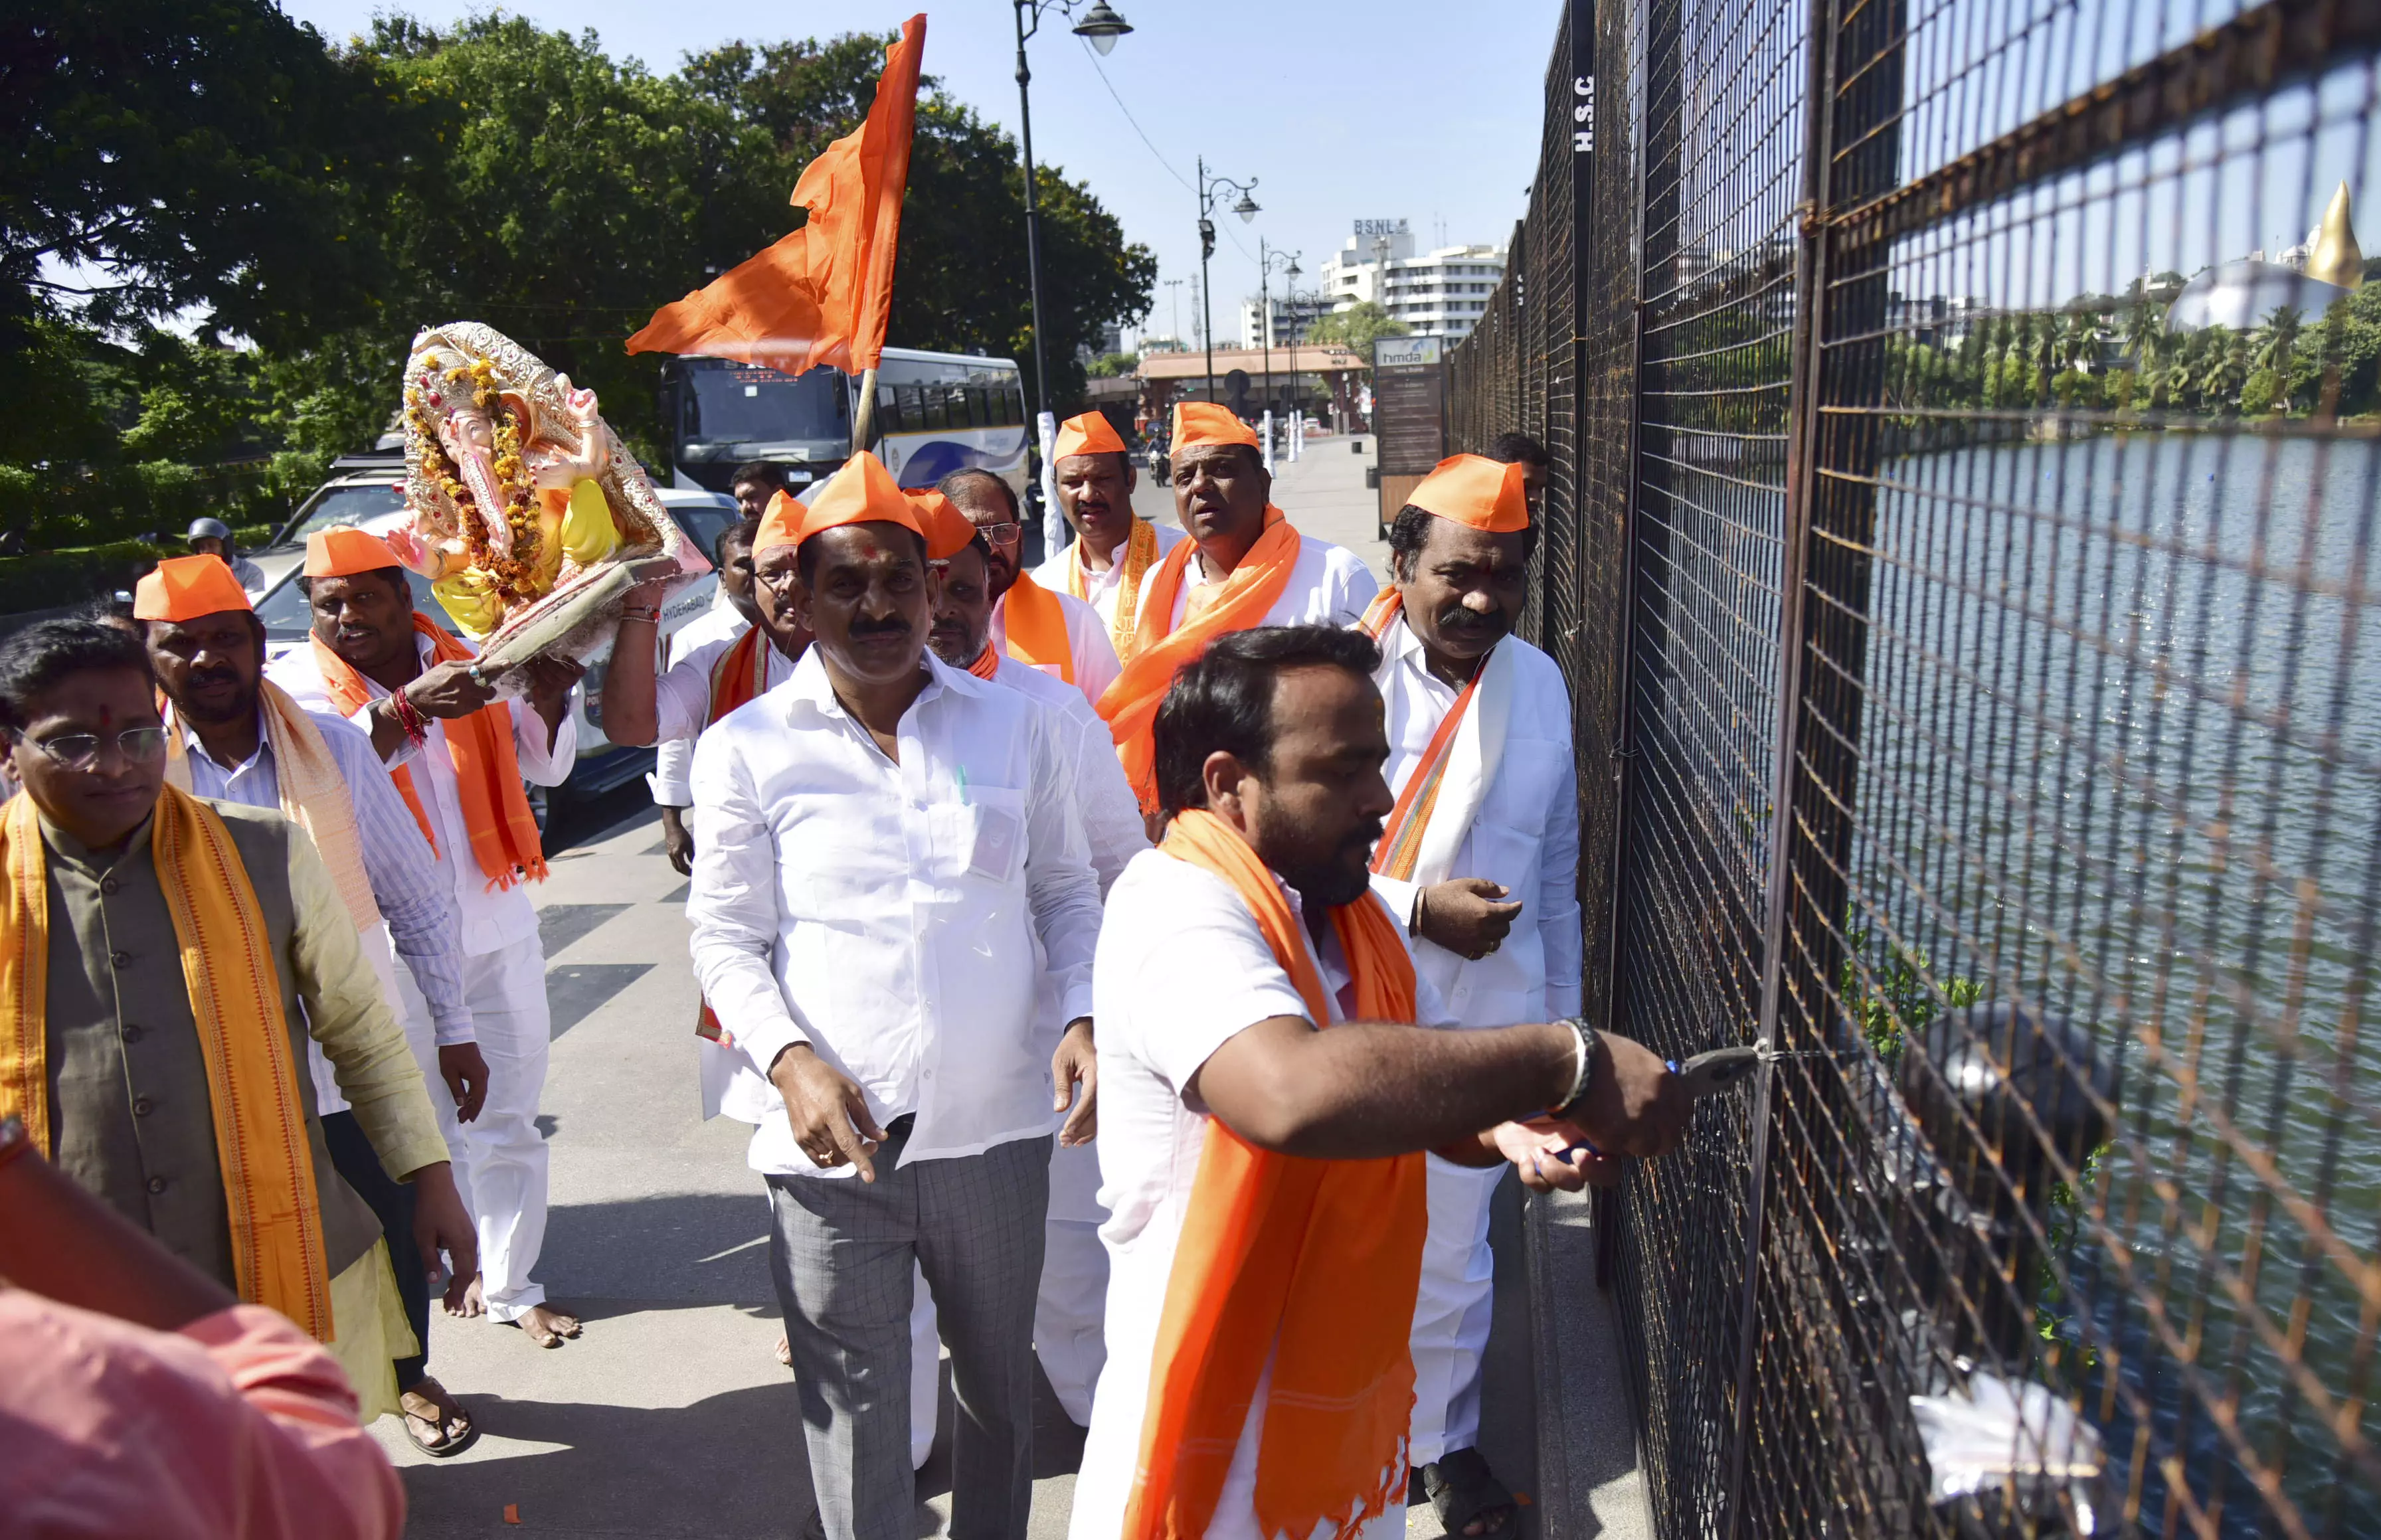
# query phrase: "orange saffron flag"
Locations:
[[821, 296]]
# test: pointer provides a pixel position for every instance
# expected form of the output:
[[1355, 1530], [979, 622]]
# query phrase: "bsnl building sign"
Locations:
[[1367, 230]]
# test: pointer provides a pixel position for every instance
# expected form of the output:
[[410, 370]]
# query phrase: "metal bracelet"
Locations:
[[1585, 1066]]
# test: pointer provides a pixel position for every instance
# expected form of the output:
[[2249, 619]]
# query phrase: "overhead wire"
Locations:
[[1092, 53]]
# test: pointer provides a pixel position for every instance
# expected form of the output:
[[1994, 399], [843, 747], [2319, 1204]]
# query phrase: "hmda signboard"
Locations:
[[1390, 353]]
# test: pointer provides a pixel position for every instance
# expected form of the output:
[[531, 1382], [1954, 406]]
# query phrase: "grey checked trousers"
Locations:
[[841, 1253]]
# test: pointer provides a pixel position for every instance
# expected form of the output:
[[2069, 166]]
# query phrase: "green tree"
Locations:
[[198, 153], [1356, 328]]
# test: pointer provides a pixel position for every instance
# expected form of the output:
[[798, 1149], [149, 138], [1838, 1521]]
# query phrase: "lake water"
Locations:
[[2121, 759]]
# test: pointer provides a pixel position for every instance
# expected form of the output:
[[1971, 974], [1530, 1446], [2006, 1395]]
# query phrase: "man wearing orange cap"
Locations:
[[459, 756], [1271, 1075], [1114, 548], [1480, 856], [1055, 632], [1245, 565], [881, 844], [235, 736], [1067, 1317]]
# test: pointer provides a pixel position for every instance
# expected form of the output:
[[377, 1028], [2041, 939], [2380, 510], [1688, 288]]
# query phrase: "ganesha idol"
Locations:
[[530, 518]]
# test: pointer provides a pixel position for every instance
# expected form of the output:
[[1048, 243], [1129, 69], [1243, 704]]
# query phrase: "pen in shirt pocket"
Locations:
[[961, 771]]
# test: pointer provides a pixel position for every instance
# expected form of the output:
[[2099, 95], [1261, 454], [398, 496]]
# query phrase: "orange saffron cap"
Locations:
[[864, 491], [781, 522], [1474, 490], [1197, 422], [947, 530], [345, 551], [1091, 434], [183, 588]]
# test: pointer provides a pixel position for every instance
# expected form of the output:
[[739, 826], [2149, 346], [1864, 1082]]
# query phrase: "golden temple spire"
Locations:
[[2335, 257]]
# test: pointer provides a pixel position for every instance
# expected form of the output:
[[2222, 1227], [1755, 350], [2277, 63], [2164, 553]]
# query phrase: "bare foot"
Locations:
[[785, 1351], [545, 1327], [475, 1299]]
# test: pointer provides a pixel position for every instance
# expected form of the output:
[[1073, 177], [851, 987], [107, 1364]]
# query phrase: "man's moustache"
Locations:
[[894, 627]]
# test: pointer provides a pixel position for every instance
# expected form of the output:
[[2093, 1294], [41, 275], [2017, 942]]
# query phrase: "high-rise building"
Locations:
[[1440, 293]]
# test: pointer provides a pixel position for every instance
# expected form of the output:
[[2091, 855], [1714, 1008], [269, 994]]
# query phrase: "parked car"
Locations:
[[368, 500]]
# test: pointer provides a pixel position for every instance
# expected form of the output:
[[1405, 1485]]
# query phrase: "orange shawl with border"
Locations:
[[1400, 845], [1312, 1264], [1160, 650], [487, 771], [270, 1200], [1036, 625], [1140, 551]]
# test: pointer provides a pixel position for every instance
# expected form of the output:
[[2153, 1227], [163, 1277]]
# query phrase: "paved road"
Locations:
[[671, 1417]]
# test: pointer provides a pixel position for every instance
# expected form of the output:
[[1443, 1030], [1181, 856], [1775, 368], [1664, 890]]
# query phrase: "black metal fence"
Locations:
[[1964, 428]]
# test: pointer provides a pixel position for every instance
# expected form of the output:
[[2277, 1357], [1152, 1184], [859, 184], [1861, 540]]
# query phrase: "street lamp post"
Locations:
[[1102, 27], [1267, 257], [1211, 189]]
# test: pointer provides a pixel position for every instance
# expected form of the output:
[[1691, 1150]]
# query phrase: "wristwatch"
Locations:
[[1586, 1064]]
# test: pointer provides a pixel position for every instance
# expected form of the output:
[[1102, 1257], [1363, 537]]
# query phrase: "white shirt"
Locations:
[[491, 918], [414, 899], [1525, 836], [886, 914], [1087, 639], [1102, 588], [1327, 587], [1103, 798], [674, 757], [1182, 969]]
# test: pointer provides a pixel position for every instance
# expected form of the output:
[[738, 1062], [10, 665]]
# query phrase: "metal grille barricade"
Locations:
[[1959, 540]]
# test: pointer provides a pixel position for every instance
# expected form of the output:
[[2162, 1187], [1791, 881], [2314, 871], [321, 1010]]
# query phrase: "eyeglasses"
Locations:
[[1002, 535], [81, 750]]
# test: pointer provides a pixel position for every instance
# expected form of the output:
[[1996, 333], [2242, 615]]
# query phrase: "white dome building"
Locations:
[[2240, 295]]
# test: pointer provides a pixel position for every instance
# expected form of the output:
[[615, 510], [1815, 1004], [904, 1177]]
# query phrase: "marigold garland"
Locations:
[[512, 577]]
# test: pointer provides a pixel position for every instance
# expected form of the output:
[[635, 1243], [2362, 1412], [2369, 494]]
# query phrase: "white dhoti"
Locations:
[[500, 1157], [1452, 1310], [1067, 1315]]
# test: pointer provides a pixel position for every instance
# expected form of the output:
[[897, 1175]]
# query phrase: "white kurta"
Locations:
[[674, 757], [1087, 642], [1101, 588], [500, 1156], [1523, 835], [1182, 969], [887, 913]]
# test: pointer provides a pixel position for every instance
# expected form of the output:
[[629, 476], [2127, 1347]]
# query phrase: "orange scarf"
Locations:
[[1037, 626], [740, 676], [487, 772], [1160, 650], [986, 663], [1400, 845], [1313, 1263], [1140, 550], [270, 1201]]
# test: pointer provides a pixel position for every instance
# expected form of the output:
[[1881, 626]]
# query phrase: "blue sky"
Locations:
[[1353, 109]]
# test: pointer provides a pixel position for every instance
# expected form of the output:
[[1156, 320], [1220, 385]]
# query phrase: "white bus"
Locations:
[[935, 413]]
